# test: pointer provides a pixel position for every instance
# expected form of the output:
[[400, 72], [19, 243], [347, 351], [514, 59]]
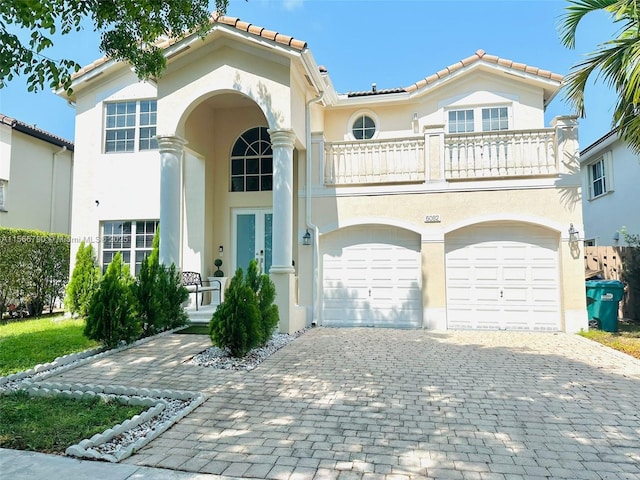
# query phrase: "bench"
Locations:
[[193, 282]]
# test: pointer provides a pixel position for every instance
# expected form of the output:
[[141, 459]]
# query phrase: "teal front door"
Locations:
[[253, 234]]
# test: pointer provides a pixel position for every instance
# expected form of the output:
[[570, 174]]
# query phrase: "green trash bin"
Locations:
[[602, 302]]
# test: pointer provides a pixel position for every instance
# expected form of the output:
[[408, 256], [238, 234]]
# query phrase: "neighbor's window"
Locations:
[[130, 126], [252, 162], [3, 190], [597, 178], [364, 128], [133, 239]]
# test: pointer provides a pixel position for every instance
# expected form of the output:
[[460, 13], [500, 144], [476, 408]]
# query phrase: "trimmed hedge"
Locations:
[[34, 268]]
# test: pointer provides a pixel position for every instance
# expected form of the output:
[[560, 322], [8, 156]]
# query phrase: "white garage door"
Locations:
[[502, 276], [371, 277]]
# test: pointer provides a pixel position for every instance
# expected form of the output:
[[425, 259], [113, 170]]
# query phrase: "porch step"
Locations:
[[202, 315]]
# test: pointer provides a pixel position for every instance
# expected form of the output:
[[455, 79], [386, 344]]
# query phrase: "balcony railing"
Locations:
[[468, 156], [374, 161], [500, 154]]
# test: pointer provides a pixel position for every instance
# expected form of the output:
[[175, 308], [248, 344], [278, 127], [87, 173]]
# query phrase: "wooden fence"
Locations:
[[608, 263]]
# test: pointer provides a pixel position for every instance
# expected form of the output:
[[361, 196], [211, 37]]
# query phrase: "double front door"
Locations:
[[253, 238]]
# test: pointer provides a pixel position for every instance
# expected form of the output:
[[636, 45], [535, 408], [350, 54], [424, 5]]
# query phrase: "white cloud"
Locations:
[[292, 4]]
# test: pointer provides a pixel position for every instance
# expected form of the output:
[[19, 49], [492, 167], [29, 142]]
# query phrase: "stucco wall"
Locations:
[[38, 194], [606, 215]]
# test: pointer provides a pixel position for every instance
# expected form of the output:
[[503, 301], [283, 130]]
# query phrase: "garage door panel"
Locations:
[[378, 268], [505, 276]]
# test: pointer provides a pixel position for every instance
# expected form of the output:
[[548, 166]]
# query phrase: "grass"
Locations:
[[626, 340], [50, 425], [195, 330], [27, 343]]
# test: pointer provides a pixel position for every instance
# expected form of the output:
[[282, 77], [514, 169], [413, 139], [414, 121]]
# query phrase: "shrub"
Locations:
[[172, 295], [112, 315], [218, 263], [159, 294], [235, 325], [265, 292], [34, 266], [84, 281]]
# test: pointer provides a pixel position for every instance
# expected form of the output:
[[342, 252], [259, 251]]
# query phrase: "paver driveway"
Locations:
[[394, 404]]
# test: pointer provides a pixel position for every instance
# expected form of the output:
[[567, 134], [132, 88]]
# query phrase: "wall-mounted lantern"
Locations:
[[306, 238], [574, 236]]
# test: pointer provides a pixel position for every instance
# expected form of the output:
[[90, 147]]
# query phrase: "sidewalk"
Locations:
[[21, 465]]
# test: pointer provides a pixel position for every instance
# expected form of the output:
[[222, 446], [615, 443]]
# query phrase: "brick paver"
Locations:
[[396, 404]]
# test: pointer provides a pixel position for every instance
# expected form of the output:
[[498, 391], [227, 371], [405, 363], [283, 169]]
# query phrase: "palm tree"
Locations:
[[616, 61]]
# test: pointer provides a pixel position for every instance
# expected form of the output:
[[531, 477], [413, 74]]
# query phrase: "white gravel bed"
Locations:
[[221, 358]]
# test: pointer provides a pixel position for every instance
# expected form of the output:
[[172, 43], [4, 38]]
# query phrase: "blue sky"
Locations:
[[392, 43]]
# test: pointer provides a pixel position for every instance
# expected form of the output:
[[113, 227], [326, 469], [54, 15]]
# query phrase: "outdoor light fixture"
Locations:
[[220, 249], [573, 235], [414, 123], [306, 238]]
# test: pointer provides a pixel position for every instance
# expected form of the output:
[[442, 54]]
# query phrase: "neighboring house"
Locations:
[[610, 178], [446, 204], [36, 175]]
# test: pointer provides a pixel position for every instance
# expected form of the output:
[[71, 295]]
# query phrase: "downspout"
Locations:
[[315, 315], [53, 184]]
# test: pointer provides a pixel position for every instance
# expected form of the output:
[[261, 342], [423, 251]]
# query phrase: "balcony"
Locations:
[[399, 160], [467, 156]]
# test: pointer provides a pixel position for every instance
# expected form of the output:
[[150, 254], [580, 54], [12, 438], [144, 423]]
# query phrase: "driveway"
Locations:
[[396, 404]]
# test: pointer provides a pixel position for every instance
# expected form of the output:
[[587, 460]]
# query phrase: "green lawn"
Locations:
[[27, 343], [626, 340], [50, 425]]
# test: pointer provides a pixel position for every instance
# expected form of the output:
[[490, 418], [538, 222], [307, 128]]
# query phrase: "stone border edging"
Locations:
[[156, 399]]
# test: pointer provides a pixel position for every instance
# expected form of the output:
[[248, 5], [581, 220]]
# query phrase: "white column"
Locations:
[[282, 144], [171, 149]]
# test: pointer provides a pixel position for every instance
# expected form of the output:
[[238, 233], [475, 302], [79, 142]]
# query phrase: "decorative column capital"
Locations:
[[170, 144], [282, 137]]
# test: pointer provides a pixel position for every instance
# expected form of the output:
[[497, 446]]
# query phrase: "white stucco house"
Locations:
[[610, 178], [36, 175], [443, 205]]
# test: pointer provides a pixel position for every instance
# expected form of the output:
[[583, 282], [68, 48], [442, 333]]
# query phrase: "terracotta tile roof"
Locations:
[[482, 55], [36, 132], [223, 20], [384, 91]]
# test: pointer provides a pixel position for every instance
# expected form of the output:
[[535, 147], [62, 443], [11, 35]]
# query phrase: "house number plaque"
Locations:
[[432, 219]]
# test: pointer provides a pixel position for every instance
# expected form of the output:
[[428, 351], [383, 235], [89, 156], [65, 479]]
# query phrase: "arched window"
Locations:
[[252, 162]]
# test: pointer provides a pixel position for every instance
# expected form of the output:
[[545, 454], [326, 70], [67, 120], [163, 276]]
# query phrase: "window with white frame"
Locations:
[[3, 193], [132, 238], [599, 176], [488, 119], [461, 121], [130, 126], [363, 128], [252, 162], [495, 119]]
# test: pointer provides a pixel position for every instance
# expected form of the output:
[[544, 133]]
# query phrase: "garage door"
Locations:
[[502, 276], [371, 277]]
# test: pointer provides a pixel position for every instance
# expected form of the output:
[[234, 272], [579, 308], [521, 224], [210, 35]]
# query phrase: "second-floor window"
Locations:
[[597, 178], [364, 127], [252, 162], [130, 126], [489, 119]]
